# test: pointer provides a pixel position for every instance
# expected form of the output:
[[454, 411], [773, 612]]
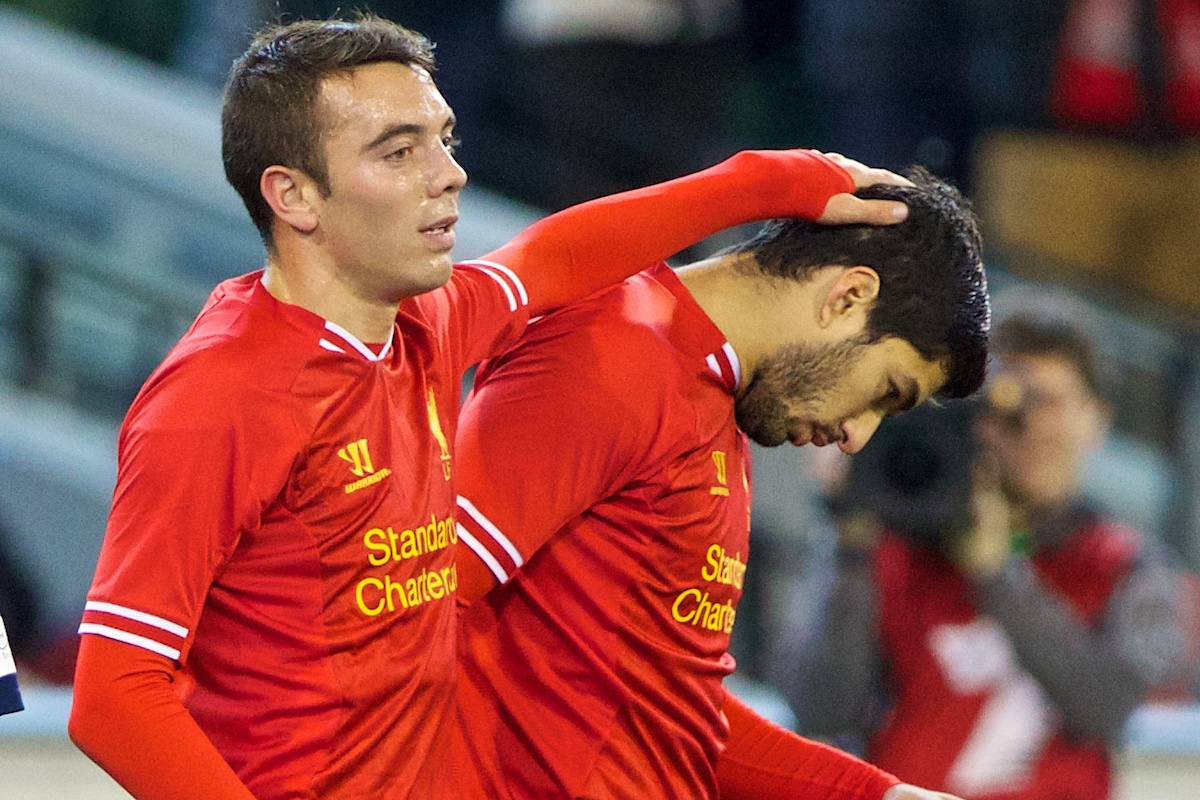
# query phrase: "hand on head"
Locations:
[[845, 208]]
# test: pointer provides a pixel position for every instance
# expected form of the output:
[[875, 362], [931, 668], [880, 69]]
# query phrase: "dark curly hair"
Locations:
[[270, 113], [933, 288]]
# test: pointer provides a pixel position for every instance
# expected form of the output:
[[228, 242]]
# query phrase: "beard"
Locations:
[[798, 375]]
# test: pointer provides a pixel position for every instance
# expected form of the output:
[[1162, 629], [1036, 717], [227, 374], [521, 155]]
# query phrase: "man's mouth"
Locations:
[[444, 225]]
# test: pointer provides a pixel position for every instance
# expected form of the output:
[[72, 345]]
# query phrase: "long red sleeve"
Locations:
[[127, 717], [582, 249], [763, 761]]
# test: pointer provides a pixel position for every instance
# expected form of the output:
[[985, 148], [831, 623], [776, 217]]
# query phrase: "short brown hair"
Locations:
[[270, 113], [1032, 333]]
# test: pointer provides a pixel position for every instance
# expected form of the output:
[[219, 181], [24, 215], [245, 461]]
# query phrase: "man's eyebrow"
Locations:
[[404, 128]]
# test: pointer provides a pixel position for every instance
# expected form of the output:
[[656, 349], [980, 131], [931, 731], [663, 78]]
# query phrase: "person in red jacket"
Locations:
[[604, 483], [273, 611], [1002, 662]]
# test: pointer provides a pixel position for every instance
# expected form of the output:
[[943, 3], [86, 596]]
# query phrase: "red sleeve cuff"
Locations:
[[763, 761]]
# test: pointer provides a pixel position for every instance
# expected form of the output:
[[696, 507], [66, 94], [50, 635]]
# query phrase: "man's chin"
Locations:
[[435, 277], [767, 438]]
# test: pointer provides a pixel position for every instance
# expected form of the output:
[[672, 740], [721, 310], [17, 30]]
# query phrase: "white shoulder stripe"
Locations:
[[130, 638], [512, 300], [512, 276], [490, 528], [734, 364], [137, 616], [481, 551]]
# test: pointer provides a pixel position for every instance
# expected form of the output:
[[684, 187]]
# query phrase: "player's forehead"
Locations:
[[361, 104]]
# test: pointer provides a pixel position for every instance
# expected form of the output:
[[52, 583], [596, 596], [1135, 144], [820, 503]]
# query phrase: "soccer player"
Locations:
[[273, 610], [605, 495], [1015, 650]]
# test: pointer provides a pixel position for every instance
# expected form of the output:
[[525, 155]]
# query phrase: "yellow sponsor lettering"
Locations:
[[712, 566], [360, 596], [385, 544], [370, 480], [677, 607], [375, 540], [434, 584], [408, 545], [373, 596], [694, 607], [395, 590], [723, 568]]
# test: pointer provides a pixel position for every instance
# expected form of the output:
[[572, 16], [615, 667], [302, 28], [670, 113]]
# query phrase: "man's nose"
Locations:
[[859, 430], [446, 174]]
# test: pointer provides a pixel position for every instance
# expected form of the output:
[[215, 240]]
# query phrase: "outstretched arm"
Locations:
[[582, 249], [763, 761], [126, 716]]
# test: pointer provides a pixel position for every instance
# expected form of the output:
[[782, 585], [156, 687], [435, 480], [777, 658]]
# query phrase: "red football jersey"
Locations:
[[968, 718], [315, 530], [605, 441]]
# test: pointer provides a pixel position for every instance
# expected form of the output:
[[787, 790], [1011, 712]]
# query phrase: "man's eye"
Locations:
[[891, 400], [399, 153], [451, 143]]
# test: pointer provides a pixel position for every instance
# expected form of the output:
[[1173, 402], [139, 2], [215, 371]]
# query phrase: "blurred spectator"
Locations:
[[1001, 661]]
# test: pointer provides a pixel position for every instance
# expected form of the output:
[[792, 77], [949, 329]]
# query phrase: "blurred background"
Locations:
[[1075, 126]]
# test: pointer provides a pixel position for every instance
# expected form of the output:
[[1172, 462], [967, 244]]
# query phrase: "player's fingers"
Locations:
[[846, 209], [867, 176]]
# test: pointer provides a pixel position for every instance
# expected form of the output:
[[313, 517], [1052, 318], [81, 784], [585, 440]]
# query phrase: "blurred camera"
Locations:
[[914, 475]]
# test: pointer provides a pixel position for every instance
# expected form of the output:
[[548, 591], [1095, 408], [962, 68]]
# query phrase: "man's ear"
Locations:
[[292, 195], [852, 293]]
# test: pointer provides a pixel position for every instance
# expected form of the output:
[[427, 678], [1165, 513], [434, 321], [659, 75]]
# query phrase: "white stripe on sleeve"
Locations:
[[130, 638], [137, 616], [490, 528], [481, 551], [512, 299], [512, 276]]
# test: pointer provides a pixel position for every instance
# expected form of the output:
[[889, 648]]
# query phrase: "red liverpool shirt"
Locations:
[[607, 434], [316, 531]]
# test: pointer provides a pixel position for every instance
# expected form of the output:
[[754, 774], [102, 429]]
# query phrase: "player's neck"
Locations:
[[755, 313], [319, 290]]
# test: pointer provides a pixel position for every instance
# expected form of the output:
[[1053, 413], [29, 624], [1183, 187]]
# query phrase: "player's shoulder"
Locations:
[[237, 354], [626, 326]]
